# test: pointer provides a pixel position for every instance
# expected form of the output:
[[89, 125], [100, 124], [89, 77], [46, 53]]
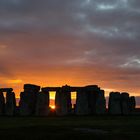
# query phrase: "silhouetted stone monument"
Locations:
[[90, 100], [91, 92], [114, 106], [10, 106], [96, 99], [82, 105], [2, 104], [42, 105], [100, 103], [132, 104], [121, 103], [125, 103], [63, 104], [28, 100]]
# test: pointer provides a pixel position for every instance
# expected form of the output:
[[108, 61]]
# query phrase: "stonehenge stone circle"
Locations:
[[90, 100]]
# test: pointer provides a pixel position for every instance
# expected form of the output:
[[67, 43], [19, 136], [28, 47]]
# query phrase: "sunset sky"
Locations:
[[74, 42]]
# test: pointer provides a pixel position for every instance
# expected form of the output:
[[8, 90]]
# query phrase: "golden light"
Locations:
[[15, 81], [52, 107]]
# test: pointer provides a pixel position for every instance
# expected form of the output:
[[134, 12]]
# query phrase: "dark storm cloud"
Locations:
[[101, 34]]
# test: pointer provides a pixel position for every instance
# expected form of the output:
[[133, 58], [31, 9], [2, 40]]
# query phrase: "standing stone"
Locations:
[[66, 91], [82, 107], [92, 97], [27, 103], [10, 106], [63, 101], [58, 101], [24, 104], [132, 104], [96, 99], [125, 103], [114, 106], [28, 100], [2, 104], [100, 103], [42, 105]]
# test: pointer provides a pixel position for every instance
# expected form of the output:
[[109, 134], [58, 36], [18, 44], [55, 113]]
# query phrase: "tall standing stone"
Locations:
[[66, 93], [63, 101], [132, 104], [28, 100], [58, 101], [2, 104], [125, 103], [10, 106], [96, 99], [100, 103], [114, 106], [42, 105], [82, 106], [92, 94]]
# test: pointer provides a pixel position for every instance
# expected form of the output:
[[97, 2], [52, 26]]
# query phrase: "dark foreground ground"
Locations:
[[69, 128]]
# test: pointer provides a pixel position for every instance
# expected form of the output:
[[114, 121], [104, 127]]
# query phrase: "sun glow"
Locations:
[[52, 106], [15, 81]]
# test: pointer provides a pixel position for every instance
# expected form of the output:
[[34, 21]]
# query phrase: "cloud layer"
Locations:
[[71, 41]]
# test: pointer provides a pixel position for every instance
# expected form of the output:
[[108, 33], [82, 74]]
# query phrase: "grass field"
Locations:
[[74, 127]]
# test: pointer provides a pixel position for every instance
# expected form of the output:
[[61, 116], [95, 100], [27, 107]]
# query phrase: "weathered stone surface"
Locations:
[[27, 103], [125, 103], [2, 104], [31, 87], [63, 101], [114, 106], [100, 107], [42, 105], [10, 106], [82, 106], [132, 104]]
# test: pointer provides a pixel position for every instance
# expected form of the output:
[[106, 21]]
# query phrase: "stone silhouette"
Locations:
[[96, 99], [63, 101], [28, 100], [42, 104], [132, 103], [82, 105], [90, 100], [121, 103], [2, 104], [8, 105], [114, 106], [125, 103]]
